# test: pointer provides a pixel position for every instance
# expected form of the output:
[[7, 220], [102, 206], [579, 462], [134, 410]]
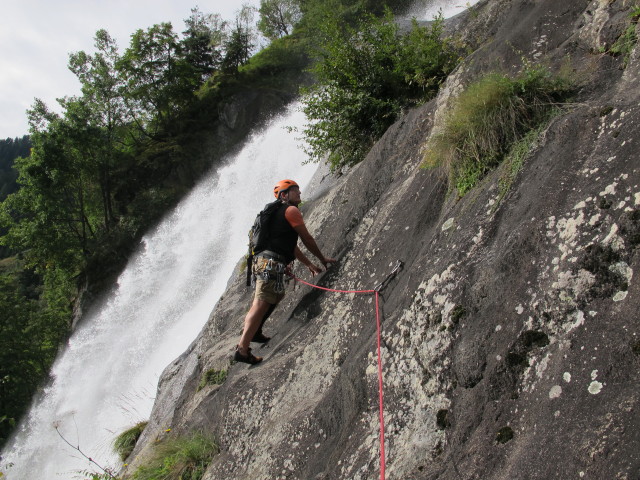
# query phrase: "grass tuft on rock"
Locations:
[[183, 458], [489, 118], [212, 377], [126, 441]]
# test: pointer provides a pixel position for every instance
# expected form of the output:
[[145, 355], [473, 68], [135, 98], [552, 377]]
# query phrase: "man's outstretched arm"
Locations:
[[311, 245]]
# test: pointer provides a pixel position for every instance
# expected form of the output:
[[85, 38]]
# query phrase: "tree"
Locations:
[[201, 44], [240, 42], [10, 149], [365, 77], [278, 17], [102, 109], [19, 360], [52, 216], [149, 69], [30, 332]]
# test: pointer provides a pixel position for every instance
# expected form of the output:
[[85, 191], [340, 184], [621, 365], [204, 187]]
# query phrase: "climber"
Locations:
[[270, 265]]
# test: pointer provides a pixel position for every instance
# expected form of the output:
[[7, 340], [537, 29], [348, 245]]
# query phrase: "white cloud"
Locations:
[[36, 37]]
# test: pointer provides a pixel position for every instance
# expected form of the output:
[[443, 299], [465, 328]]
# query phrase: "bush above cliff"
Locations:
[[365, 76]]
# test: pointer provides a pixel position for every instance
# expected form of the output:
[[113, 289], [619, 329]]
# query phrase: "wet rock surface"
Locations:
[[510, 340]]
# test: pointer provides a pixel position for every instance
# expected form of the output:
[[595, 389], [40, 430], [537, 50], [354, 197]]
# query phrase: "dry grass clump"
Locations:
[[489, 118]]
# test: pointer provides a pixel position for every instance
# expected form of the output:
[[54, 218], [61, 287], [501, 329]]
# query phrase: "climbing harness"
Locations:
[[376, 292], [271, 269]]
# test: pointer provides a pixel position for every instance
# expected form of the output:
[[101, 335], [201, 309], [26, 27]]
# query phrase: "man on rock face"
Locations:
[[286, 226]]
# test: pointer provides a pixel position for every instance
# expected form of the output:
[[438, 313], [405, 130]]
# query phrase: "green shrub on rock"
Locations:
[[184, 458], [489, 118], [365, 77], [212, 377], [126, 441]]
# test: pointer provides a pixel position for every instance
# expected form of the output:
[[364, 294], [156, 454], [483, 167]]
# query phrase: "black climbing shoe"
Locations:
[[248, 358], [260, 337]]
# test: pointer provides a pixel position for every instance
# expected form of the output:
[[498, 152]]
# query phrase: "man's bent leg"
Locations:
[[259, 336], [252, 322]]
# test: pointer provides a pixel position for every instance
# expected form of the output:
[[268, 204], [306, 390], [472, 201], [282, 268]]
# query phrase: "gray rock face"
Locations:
[[510, 340]]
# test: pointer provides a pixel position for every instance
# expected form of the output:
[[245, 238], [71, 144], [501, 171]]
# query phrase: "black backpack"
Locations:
[[259, 234]]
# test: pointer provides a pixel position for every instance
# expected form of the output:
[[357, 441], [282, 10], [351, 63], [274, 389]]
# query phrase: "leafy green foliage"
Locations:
[[278, 17], [31, 327], [184, 458], [10, 149], [212, 377], [126, 441], [488, 118], [201, 50], [240, 42], [625, 44], [365, 77], [514, 159]]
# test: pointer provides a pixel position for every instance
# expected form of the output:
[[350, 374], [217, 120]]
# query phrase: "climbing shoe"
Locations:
[[260, 337], [249, 358]]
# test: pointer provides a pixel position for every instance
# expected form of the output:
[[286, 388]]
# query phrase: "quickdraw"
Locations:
[[274, 270]]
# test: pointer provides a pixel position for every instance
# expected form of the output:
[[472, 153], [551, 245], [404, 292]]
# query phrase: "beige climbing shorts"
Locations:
[[265, 290]]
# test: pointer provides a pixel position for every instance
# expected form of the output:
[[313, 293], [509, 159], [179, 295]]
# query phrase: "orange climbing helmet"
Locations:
[[282, 186]]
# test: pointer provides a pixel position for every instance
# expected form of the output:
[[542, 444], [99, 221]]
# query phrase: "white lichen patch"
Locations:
[[619, 296], [570, 285], [365, 225], [568, 228], [625, 271], [609, 190], [478, 238], [447, 225], [566, 376], [415, 363], [555, 392], [595, 387], [613, 239], [622, 269], [535, 371], [576, 319]]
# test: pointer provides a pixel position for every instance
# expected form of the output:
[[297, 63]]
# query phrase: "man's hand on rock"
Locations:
[[326, 261], [315, 270]]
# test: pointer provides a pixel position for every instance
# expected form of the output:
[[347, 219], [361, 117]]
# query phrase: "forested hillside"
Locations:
[[10, 149], [153, 117]]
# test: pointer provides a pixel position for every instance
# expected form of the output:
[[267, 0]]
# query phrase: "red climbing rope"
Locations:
[[375, 292]]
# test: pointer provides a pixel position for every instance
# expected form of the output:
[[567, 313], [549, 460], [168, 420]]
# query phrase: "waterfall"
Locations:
[[427, 9], [106, 377]]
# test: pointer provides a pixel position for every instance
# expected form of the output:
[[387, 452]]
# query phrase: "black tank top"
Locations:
[[282, 237]]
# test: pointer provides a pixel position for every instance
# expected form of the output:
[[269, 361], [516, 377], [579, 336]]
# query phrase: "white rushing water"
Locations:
[[428, 9], [105, 379]]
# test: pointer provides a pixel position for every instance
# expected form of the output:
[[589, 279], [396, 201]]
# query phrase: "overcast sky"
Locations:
[[36, 37]]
